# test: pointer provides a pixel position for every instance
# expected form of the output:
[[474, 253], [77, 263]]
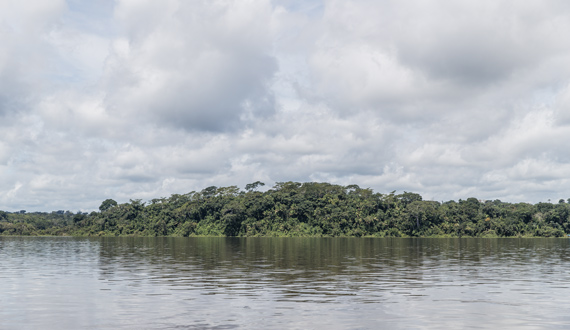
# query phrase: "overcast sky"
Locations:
[[141, 99]]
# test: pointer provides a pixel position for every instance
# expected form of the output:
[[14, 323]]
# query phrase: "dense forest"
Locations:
[[298, 209]]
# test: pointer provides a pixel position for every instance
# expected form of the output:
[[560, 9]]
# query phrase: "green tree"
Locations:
[[409, 197], [107, 204], [254, 186], [79, 217]]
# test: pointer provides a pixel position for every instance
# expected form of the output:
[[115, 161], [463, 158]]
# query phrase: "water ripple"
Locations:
[[297, 283]]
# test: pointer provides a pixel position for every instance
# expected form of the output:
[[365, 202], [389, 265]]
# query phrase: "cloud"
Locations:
[[479, 43], [23, 58], [142, 99], [421, 60], [197, 66]]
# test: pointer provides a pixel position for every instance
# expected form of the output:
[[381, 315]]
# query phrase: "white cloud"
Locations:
[[23, 62], [142, 99], [192, 65]]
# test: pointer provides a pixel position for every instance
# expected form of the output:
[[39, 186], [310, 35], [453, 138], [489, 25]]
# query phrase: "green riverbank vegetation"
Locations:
[[299, 209]]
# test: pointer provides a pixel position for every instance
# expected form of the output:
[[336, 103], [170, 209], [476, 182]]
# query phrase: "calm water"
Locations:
[[283, 283]]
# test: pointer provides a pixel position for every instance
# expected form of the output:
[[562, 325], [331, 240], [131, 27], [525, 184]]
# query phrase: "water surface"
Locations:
[[278, 283]]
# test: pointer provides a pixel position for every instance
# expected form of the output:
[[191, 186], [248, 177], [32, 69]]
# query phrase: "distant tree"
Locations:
[[408, 197], [352, 188], [107, 204], [209, 192], [254, 186], [298, 209], [227, 191], [79, 217], [422, 212]]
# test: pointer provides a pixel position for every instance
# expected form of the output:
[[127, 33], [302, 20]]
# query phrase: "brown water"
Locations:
[[283, 283]]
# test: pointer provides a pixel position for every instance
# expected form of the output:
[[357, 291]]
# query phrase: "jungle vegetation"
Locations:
[[299, 209]]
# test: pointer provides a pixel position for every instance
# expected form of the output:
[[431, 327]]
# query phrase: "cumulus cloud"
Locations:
[[198, 66], [23, 28], [141, 99], [425, 59]]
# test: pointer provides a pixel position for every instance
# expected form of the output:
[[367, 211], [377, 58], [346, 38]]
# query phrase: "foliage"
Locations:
[[107, 204], [298, 209]]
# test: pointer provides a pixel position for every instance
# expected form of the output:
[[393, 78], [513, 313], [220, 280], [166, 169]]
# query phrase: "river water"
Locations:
[[283, 283]]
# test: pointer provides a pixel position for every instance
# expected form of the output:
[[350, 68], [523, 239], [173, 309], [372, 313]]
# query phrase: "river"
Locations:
[[284, 283]]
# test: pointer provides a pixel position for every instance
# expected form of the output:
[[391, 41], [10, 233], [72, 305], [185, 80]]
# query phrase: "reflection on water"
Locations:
[[294, 283]]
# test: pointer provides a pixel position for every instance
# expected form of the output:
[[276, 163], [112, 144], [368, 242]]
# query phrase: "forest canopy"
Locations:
[[299, 209]]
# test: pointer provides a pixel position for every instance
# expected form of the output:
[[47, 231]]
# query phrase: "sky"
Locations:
[[142, 99]]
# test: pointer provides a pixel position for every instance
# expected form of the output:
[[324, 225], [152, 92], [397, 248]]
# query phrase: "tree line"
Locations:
[[299, 209]]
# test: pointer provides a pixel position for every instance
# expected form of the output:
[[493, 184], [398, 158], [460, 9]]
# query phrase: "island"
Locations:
[[293, 209]]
